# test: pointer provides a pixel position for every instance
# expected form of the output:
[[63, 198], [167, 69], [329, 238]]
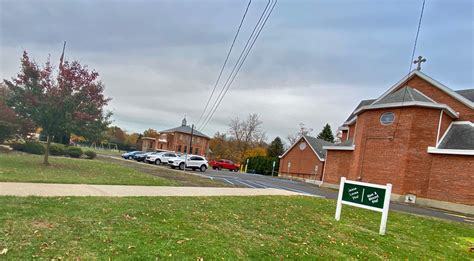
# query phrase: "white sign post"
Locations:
[[273, 167], [365, 195]]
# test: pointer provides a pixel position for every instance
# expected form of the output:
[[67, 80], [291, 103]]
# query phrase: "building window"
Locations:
[[196, 151], [185, 149], [387, 118], [179, 148]]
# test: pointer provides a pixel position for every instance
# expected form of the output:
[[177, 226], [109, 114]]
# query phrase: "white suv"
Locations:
[[193, 162], [161, 158]]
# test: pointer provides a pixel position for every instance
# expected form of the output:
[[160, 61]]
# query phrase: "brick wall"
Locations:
[[397, 153], [445, 122], [303, 163], [337, 165], [177, 141], [452, 179], [466, 114], [344, 135]]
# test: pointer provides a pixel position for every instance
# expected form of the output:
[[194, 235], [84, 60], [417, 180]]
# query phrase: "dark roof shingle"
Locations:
[[405, 94], [459, 137], [317, 145], [468, 94], [362, 103], [186, 129]]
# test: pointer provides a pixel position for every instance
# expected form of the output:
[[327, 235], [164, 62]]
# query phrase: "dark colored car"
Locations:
[[142, 156], [130, 154]]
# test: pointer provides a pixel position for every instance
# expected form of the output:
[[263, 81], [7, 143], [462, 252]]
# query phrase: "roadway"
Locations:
[[245, 180], [260, 181]]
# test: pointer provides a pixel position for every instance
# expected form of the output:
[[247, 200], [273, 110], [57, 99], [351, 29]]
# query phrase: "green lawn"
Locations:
[[104, 151], [17, 167], [271, 228]]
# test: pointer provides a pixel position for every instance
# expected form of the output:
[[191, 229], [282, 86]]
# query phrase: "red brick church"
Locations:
[[419, 136]]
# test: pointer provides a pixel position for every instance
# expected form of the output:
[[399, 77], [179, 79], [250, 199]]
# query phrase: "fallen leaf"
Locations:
[[4, 251]]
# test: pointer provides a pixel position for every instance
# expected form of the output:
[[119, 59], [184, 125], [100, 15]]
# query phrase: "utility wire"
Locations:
[[411, 62], [243, 56], [225, 62], [416, 37], [207, 118]]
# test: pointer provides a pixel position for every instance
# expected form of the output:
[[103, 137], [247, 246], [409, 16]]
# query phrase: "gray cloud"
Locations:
[[313, 63]]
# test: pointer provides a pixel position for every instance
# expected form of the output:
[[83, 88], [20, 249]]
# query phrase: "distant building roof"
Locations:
[[468, 94], [460, 136], [314, 143], [186, 130], [345, 143], [317, 145]]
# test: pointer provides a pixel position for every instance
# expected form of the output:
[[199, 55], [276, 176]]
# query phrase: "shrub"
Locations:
[[34, 147], [74, 152], [90, 154], [262, 165], [57, 150], [18, 146]]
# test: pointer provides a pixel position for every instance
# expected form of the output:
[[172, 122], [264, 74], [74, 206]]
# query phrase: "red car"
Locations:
[[224, 164]]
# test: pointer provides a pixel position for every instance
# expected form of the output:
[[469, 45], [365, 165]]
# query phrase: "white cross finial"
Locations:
[[418, 62]]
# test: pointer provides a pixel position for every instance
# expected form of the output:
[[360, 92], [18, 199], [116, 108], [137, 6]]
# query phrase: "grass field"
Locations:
[[104, 151], [219, 227], [17, 167]]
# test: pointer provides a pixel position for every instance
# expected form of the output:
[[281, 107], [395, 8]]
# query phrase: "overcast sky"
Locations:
[[313, 63]]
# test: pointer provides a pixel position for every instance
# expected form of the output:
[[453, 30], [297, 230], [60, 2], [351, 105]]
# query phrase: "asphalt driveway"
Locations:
[[255, 181], [260, 181]]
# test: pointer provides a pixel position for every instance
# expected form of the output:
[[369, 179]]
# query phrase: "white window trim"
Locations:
[[439, 126], [434, 150], [445, 107], [339, 147], [387, 124]]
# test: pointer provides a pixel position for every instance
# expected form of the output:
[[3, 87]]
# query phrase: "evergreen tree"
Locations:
[[276, 148], [326, 134]]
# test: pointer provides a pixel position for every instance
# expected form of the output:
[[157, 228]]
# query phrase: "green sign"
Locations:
[[364, 195]]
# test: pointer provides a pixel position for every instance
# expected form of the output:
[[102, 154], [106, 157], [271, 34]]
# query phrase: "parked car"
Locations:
[[193, 162], [130, 154], [142, 156], [224, 164], [161, 158]]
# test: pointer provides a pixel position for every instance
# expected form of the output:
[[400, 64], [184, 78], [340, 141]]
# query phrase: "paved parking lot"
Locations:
[[259, 181]]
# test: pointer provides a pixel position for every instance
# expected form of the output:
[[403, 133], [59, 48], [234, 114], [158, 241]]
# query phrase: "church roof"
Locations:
[[362, 103], [405, 94], [187, 130], [317, 145], [459, 136], [468, 94]]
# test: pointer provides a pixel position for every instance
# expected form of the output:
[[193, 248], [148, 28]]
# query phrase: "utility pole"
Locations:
[[190, 148]]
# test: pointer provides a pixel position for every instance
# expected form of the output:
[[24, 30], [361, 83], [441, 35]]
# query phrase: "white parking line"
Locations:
[[244, 183], [290, 189], [257, 184]]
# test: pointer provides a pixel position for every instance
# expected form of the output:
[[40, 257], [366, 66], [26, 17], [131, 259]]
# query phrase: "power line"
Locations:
[[225, 62], [207, 118], [411, 61], [416, 37], [243, 56], [414, 46]]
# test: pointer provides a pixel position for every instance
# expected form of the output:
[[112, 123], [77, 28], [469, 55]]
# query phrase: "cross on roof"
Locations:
[[418, 62]]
